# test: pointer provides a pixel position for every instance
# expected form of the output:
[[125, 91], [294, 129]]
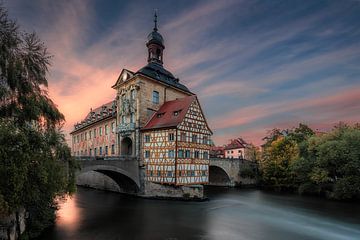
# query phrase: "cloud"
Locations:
[[319, 108]]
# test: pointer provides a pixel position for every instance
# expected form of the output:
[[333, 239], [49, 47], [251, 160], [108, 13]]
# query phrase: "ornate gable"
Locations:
[[124, 76]]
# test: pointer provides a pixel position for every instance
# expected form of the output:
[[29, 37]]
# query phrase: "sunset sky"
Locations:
[[254, 65]]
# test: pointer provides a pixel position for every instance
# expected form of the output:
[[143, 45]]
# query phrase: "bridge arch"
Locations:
[[218, 176], [125, 180]]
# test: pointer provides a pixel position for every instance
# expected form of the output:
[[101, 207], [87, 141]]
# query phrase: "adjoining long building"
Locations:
[[154, 119]]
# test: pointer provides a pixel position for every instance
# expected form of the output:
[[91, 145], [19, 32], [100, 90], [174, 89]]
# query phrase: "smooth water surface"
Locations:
[[229, 214]]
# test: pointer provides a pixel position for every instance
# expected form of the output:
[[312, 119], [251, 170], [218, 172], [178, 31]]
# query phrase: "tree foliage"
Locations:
[[35, 162], [326, 164]]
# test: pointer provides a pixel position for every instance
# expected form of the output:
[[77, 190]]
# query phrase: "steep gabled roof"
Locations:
[[236, 143], [165, 117]]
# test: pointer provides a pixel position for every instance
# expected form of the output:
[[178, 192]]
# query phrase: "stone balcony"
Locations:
[[125, 129]]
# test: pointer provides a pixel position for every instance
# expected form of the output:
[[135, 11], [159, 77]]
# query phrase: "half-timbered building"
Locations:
[[176, 144]]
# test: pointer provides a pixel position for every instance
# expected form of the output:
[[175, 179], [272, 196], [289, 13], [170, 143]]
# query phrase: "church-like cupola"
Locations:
[[155, 45]]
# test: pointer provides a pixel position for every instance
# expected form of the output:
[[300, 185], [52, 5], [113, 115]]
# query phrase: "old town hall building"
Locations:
[[154, 119]]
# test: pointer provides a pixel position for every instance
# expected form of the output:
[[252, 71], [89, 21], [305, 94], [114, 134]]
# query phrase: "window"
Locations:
[[187, 153], [90, 134], [94, 133], [155, 97], [90, 152], [232, 151], [203, 173], [106, 150], [196, 154], [228, 152], [169, 173], [147, 154], [123, 120], [132, 94], [82, 137], [95, 151], [171, 153], [100, 150], [181, 153], [113, 127], [205, 140], [106, 129], [151, 173], [132, 117], [159, 173], [206, 155], [147, 138], [176, 113], [81, 152], [100, 131], [183, 137], [112, 149], [171, 137], [85, 136], [77, 137], [180, 173], [191, 173], [194, 138]]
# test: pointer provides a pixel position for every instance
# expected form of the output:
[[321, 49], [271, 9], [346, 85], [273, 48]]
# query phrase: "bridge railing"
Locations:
[[109, 158]]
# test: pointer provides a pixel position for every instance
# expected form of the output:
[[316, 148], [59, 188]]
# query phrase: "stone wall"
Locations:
[[13, 226], [145, 92], [189, 192], [98, 181]]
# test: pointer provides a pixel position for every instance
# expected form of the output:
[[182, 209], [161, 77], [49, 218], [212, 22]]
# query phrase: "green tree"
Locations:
[[277, 161], [34, 157]]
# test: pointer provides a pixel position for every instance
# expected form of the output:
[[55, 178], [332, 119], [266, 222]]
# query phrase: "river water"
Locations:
[[229, 214]]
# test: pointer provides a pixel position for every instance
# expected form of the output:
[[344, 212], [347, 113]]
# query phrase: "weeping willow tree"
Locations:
[[35, 162]]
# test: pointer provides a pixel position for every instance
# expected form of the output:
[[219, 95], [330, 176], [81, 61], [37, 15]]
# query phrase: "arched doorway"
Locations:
[[126, 146], [218, 177]]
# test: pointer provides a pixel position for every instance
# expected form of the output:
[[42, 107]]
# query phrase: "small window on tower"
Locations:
[[155, 97]]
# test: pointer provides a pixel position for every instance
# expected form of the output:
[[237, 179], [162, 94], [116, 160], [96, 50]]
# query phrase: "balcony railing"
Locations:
[[126, 128]]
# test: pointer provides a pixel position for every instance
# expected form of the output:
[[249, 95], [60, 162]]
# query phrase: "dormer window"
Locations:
[[176, 113], [159, 115]]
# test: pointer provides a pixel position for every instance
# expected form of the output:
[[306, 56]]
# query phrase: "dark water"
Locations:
[[229, 214]]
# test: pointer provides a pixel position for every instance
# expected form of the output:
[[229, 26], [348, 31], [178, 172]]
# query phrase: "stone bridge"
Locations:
[[115, 174], [226, 172]]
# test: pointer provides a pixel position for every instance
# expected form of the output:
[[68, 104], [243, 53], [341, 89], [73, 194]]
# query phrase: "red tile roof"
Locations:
[[165, 117], [236, 143]]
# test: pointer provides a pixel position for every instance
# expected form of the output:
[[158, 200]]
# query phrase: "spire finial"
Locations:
[[155, 20]]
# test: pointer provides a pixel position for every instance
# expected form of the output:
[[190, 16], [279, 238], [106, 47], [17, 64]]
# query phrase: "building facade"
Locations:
[[235, 149], [141, 97], [176, 144], [96, 134]]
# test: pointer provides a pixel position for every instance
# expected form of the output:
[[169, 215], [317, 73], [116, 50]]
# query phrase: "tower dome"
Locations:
[[155, 45]]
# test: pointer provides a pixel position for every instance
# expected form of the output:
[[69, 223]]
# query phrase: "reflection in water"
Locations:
[[230, 214], [68, 215]]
